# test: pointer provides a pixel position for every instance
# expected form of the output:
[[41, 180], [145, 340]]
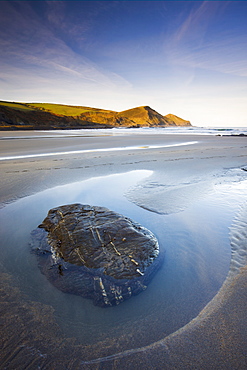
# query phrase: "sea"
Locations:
[[191, 130]]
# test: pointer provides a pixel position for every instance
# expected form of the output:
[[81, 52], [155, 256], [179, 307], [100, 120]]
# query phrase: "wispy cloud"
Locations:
[[229, 57], [193, 45], [35, 45], [66, 23], [196, 23]]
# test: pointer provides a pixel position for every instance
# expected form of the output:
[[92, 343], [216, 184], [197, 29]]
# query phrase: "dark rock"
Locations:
[[96, 253]]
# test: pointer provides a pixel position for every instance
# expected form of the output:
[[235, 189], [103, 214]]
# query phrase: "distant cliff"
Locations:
[[177, 121], [40, 116], [145, 116]]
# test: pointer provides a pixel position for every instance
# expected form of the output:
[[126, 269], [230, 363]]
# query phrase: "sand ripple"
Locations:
[[238, 238]]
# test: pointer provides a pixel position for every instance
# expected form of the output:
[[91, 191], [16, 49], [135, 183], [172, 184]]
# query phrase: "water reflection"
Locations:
[[196, 261]]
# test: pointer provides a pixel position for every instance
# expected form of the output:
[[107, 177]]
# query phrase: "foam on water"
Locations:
[[118, 131]]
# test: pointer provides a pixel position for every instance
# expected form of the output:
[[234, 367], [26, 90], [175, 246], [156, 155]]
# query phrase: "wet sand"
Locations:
[[31, 337]]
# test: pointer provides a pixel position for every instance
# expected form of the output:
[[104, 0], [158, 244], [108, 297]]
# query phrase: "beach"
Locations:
[[167, 176]]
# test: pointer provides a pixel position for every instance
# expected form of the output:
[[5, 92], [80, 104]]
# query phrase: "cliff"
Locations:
[[145, 117], [44, 116], [177, 121]]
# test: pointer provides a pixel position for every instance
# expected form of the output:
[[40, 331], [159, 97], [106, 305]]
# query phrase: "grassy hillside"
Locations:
[[17, 106], [19, 116], [64, 110], [177, 120], [145, 116]]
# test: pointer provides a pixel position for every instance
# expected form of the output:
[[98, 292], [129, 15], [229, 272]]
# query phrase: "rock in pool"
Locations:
[[95, 253]]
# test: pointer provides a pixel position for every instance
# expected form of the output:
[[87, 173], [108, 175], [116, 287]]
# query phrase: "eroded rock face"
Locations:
[[96, 253]]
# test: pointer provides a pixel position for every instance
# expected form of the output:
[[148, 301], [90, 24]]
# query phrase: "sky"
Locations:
[[188, 58]]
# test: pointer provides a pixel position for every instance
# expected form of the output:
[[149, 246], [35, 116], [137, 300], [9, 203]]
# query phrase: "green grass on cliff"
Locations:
[[58, 109], [18, 106], [62, 110]]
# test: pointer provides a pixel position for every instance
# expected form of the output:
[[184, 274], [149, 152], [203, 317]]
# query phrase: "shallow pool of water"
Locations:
[[197, 258]]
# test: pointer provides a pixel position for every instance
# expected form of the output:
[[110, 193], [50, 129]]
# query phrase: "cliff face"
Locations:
[[108, 118], [16, 118], [21, 116], [177, 121], [144, 117]]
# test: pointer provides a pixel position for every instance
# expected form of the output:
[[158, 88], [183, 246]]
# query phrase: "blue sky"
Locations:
[[188, 58]]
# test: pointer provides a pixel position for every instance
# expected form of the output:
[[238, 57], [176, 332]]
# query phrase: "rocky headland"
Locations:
[[44, 116]]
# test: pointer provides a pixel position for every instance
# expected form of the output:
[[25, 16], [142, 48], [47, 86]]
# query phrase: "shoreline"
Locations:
[[216, 337]]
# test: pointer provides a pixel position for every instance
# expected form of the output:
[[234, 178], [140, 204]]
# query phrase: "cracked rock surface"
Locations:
[[96, 253]]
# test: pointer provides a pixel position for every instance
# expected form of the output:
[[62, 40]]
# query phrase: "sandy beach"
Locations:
[[183, 170]]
